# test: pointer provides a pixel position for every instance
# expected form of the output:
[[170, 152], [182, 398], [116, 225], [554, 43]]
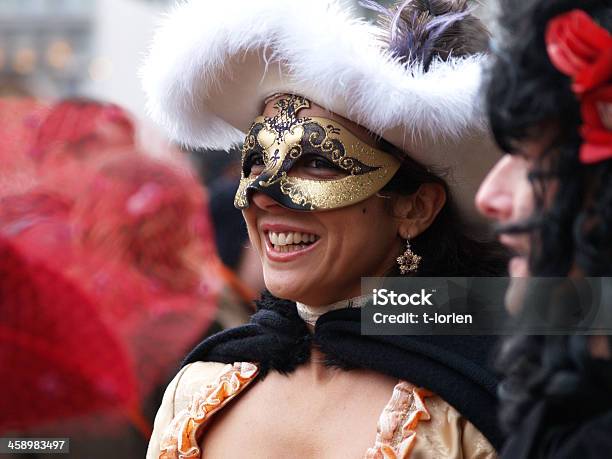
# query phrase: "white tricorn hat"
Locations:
[[415, 83]]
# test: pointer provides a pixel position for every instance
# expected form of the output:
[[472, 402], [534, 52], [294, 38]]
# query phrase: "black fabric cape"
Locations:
[[454, 367]]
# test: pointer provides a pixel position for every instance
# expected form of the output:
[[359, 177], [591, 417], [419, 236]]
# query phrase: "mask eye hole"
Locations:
[[318, 167], [253, 164]]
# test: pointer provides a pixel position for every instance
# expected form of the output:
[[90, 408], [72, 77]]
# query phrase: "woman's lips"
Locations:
[[517, 245], [285, 243]]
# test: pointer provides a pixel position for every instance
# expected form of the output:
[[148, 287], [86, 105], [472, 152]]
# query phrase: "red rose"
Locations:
[[581, 49], [596, 130]]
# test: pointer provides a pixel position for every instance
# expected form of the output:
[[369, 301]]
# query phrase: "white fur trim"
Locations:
[[212, 64]]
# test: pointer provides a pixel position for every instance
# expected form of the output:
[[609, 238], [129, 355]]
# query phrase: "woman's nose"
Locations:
[[265, 202], [494, 199]]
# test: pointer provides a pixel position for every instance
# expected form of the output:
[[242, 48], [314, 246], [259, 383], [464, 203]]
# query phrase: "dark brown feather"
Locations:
[[418, 31]]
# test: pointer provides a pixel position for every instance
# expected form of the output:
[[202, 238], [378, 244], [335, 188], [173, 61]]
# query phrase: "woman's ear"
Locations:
[[418, 210]]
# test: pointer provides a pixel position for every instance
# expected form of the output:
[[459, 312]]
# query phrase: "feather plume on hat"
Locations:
[[417, 31]]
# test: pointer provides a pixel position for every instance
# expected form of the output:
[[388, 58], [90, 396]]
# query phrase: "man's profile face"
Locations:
[[506, 196]]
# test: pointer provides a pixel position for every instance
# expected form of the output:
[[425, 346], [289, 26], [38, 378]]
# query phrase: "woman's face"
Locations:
[[349, 243], [319, 257]]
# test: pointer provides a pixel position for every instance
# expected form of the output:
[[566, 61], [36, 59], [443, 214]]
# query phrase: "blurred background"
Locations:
[[59, 48], [118, 250]]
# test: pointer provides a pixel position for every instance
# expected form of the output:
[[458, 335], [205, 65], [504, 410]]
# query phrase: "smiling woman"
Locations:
[[346, 141], [315, 171]]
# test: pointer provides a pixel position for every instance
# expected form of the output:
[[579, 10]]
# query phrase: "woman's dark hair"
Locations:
[[447, 247], [527, 96], [421, 32]]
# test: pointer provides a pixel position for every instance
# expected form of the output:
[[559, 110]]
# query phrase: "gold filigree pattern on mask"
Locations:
[[280, 141], [325, 194]]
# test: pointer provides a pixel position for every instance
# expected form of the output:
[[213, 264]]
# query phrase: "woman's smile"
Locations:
[[286, 243]]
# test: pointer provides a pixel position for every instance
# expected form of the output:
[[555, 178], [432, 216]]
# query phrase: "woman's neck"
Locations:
[[310, 314]]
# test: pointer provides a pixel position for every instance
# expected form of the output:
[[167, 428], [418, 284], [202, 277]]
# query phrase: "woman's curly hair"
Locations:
[[527, 96]]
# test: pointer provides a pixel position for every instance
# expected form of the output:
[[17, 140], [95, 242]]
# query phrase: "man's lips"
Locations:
[[518, 265], [518, 247]]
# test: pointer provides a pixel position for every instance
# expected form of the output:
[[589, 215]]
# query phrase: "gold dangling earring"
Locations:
[[409, 261]]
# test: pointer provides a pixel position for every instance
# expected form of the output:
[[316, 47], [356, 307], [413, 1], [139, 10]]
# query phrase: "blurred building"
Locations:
[[122, 34], [45, 45], [59, 48]]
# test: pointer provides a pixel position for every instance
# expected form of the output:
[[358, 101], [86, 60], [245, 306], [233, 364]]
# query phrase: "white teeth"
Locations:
[[288, 248], [289, 239]]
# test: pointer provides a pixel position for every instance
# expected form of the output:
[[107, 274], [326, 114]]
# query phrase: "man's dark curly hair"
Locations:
[[527, 96]]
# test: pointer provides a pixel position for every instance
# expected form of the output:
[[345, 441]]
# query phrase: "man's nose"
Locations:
[[494, 197]]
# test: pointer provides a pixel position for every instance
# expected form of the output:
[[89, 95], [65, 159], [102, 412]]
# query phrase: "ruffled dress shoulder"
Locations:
[[415, 423]]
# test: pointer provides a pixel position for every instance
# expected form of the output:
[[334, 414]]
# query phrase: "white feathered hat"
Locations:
[[415, 83]]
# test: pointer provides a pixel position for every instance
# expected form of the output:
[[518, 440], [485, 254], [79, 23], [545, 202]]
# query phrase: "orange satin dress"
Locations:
[[414, 424]]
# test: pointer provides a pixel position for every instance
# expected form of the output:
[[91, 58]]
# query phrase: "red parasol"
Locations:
[[19, 119], [151, 258], [131, 243], [54, 346]]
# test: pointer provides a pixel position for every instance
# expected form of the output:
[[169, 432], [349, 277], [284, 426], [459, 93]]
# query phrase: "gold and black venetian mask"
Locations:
[[278, 143]]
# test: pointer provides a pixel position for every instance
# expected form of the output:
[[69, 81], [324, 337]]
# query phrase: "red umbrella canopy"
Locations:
[[123, 265], [144, 227], [138, 243], [150, 215], [19, 121], [59, 359], [74, 137], [78, 128]]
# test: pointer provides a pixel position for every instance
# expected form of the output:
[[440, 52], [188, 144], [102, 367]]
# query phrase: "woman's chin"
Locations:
[[296, 289], [282, 287]]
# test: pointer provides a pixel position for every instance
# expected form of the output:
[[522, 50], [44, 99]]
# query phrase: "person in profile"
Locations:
[[549, 101]]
